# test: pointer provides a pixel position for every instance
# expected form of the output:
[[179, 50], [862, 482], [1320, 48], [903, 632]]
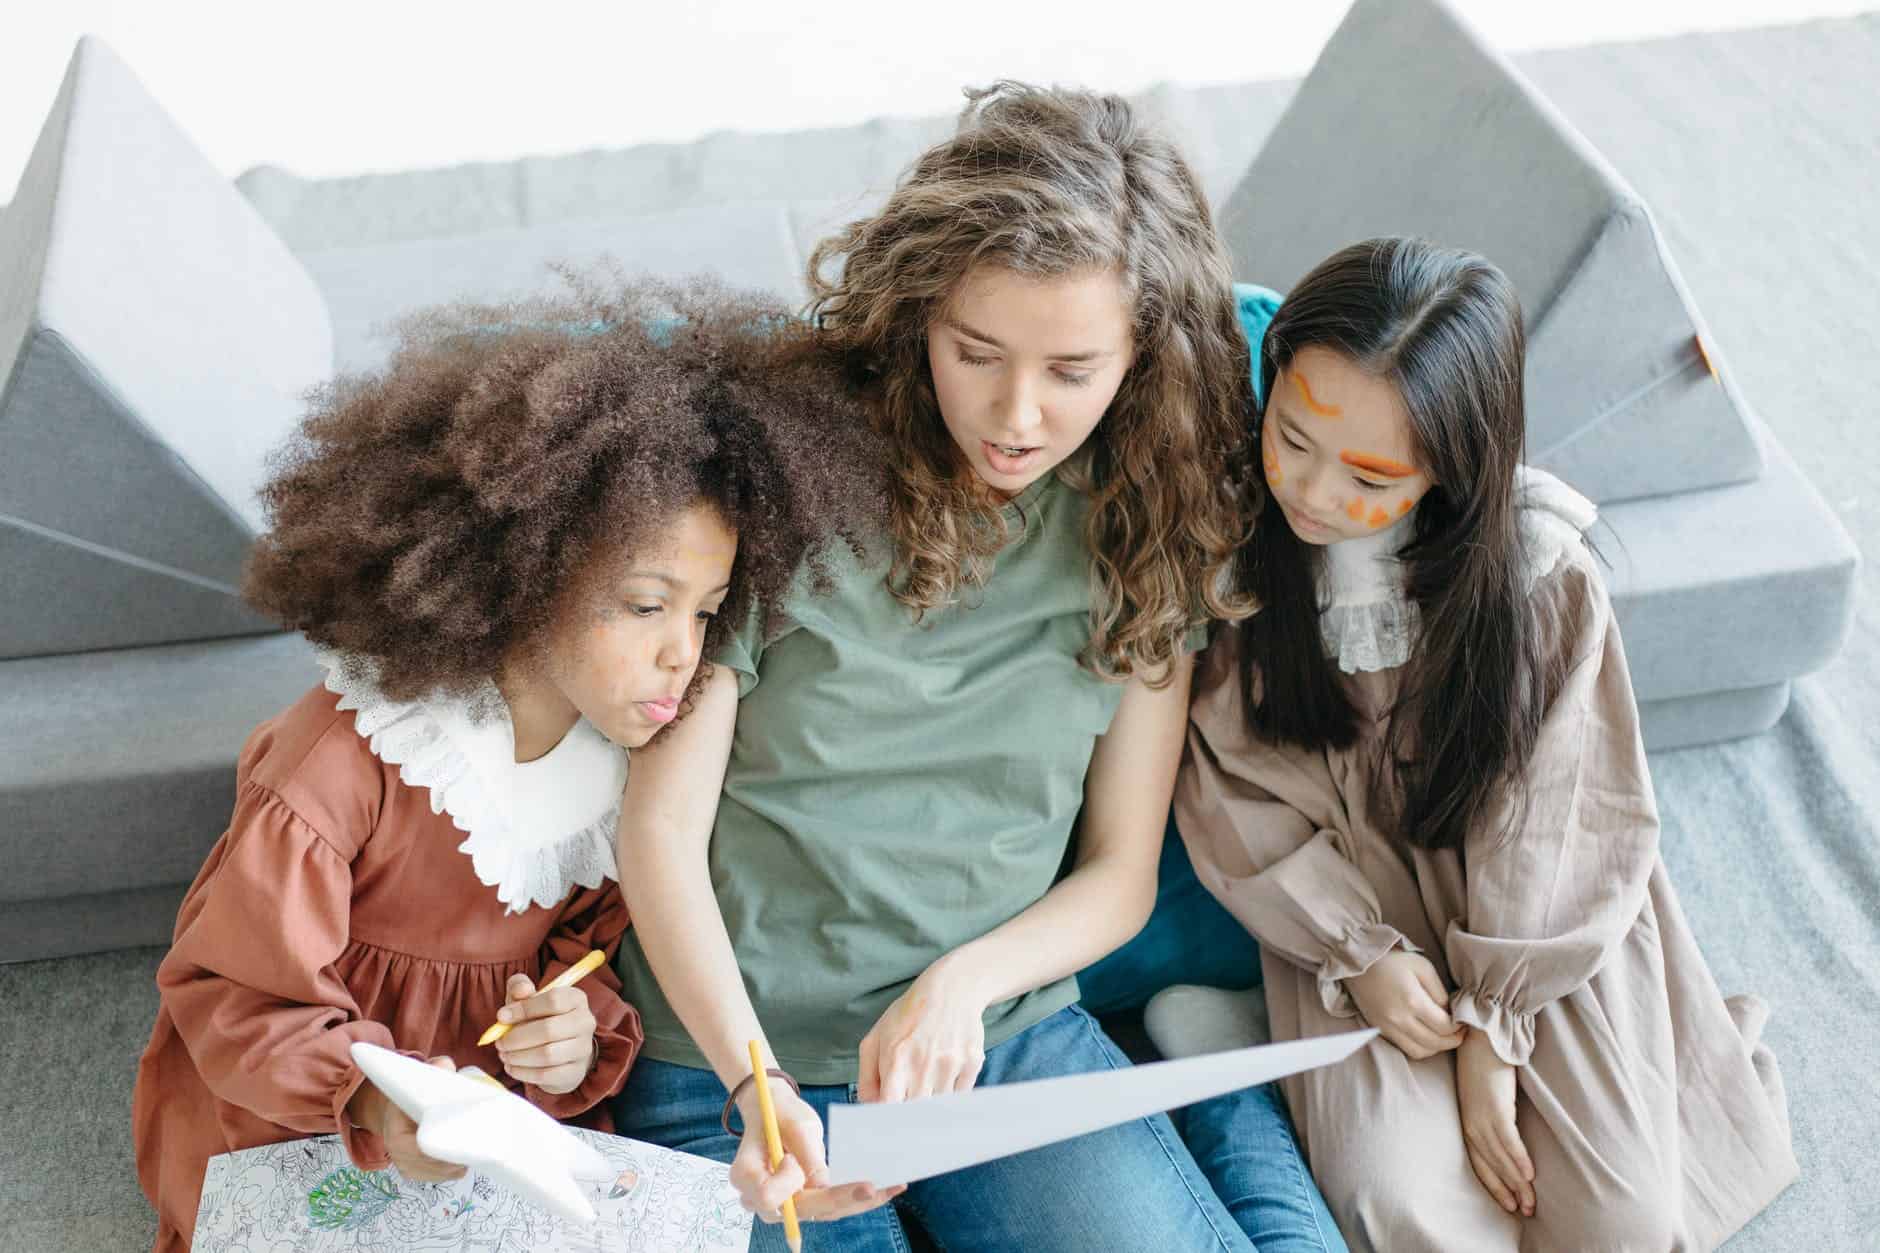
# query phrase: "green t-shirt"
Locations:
[[897, 789]]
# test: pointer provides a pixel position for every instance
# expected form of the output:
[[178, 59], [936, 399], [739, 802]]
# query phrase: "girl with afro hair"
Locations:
[[511, 547]]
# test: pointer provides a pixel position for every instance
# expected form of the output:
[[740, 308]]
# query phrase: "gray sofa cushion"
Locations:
[[117, 769], [369, 286], [1218, 127], [155, 340], [1731, 588], [1452, 143]]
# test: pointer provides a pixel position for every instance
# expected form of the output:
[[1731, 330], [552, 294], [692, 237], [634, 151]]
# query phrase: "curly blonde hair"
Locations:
[[1048, 183]]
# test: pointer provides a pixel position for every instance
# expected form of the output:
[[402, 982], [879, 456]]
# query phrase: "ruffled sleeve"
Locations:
[[593, 919], [1256, 819], [250, 980], [1552, 895]]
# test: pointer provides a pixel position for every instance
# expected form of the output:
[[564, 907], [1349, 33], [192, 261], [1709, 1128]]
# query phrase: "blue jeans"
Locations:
[[1133, 1186], [1244, 1141], [1244, 1144], [1189, 938]]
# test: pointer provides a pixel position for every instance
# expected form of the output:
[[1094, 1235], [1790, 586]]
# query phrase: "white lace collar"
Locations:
[[1366, 621], [534, 830]]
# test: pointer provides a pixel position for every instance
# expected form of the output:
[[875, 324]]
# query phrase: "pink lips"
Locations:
[[660, 710], [1003, 462]]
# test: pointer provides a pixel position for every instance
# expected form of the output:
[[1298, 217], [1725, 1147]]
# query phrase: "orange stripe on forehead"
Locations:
[[1305, 389], [1377, 465]]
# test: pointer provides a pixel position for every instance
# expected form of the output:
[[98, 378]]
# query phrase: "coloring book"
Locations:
[[305, 1196]]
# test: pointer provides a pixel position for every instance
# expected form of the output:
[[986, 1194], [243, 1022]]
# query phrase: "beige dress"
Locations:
[[1654, 1116]]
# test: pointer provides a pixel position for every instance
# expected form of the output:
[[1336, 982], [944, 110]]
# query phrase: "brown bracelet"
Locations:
[[731, 1102]]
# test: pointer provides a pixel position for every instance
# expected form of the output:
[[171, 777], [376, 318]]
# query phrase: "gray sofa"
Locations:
[[157, 326]]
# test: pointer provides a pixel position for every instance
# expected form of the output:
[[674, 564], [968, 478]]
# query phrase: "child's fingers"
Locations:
[[519, 988], [1415, 1039], [1432, 982], [553, 1053], [555, 1080], [1433, 1015], [578, 1025], [1519, 1164], [1488, 1144], [1490, 1180], [541, 1004]]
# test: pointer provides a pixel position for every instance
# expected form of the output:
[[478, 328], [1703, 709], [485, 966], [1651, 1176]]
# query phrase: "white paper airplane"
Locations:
[[890, 1144], [490, 1129]]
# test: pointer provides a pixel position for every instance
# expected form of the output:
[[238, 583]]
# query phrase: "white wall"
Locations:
[[346, 85]]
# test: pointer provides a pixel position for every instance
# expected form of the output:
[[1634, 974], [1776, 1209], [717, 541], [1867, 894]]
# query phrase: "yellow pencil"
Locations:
[[792, 1234], [567, 978]]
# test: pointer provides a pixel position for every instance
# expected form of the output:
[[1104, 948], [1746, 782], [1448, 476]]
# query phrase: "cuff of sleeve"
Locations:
[[616, 1051], [1356, 953], [364, 1148], [1510, 1033]]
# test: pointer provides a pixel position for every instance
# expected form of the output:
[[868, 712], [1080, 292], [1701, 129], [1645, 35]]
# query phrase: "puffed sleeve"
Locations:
[[1556, 883], [1258, 822], [593, 919], [250, 980]]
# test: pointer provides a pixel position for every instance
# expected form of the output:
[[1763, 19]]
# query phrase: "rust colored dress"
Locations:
[[338, 907], [1653, 1114]]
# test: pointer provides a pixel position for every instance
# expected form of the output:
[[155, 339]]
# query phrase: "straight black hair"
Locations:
[[1444, 328]]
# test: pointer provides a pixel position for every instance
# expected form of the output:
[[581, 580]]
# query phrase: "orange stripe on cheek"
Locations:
[[1377, 465], [1405, 507], [1355, 511], [1378, 517], [1305, 389]]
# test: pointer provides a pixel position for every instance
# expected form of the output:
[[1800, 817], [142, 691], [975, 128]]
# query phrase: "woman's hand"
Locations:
[[1404, 998], [374, 1111], [804, 1170], [551, 1042], [931, 1040], [1485, 1092]]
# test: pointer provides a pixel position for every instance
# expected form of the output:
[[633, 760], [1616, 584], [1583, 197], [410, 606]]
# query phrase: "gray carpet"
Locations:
[[1760, 152]]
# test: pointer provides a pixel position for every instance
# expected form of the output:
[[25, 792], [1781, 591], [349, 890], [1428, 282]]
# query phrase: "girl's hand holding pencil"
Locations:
[[547, 1038]]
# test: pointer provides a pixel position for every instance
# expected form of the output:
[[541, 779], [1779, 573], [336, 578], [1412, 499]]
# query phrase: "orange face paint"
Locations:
[[1355, 511], [1378, 517], [1272, 467], [1405, 506], [1377, 465], [1305, 389]]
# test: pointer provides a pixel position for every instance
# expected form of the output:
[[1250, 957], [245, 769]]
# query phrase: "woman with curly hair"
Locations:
[[511, 547], [859, 848]]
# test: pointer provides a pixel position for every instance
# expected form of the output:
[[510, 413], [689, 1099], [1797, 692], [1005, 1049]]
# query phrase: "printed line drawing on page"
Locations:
[[305, 1196]]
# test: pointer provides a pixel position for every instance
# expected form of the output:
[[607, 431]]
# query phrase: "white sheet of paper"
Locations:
[[489, 1129], [890, 1144]]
